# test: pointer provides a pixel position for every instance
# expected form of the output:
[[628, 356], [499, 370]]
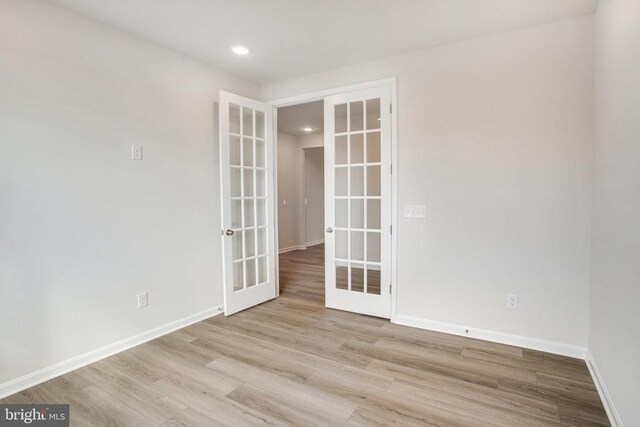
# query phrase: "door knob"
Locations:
[[329, 230], [229, 232]]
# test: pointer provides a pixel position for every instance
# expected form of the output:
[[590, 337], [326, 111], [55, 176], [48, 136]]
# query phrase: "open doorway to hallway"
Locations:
[[301, 201], [359, 201]]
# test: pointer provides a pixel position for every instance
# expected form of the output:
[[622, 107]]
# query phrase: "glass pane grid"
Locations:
[[242, 192], [364, 210], [248, 167], [358, 155], [354, 164], [368, 230], [259, 138], [357, 197], [349, 284], [258, 168], [345, 260], [355, 132], [255, 208], [261, 227]]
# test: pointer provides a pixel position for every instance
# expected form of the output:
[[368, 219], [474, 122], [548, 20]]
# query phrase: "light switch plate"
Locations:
[[415, 211], [136, 152]]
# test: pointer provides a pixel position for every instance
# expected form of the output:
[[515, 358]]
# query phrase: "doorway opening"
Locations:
[[301, 210], [358, 134]]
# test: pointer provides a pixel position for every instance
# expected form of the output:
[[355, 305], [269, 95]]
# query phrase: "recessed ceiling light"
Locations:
[[240, 50], [379, 119], [307, 129]]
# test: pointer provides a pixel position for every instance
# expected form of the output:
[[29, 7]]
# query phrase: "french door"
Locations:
[[358, 201], [247, 197]]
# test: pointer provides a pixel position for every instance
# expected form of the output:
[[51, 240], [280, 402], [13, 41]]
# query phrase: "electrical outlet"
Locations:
[[136, 152], [512, 301], [143, 300]]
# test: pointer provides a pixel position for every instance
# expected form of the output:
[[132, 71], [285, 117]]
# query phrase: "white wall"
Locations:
[[314, 194], [311, 140], [614, 340], [314, 212], [83, 227], [292, 218], [494, 137], [290, 223]]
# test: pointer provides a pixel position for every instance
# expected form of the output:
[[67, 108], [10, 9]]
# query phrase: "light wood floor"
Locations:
[[292, 362]]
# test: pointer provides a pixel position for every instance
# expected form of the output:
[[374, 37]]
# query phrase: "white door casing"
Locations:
[[358, 204], [247, 201]]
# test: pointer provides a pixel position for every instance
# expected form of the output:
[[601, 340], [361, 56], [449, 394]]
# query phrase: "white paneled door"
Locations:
[[247, 191], [358, 201]]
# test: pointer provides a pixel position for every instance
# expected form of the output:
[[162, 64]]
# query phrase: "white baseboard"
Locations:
[[292, 248], [494, 336], [45, 374], [612, 413], [315, 242]]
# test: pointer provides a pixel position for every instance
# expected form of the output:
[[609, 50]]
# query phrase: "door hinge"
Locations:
[[390, 108], [222, 232], [389, 288], [391, 169], [391, 229]]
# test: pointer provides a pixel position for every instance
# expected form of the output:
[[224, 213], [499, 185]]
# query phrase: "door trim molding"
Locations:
[[304, 98], [321, 94]]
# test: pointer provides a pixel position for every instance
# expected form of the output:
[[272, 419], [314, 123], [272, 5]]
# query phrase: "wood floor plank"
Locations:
[[528, 406], [210, 402], [380, 401], [52, 391], [123, 387], [196, 373], [434, 337], [410, 361], [404, 412], [459, 362], [480, 410], [101, 409], [284, 410], [190, 417], [138, 369], [291, 361], [292, 391], [532, 365], [561, 398]]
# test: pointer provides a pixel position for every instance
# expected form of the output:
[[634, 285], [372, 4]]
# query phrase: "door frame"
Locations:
[[320, 95]]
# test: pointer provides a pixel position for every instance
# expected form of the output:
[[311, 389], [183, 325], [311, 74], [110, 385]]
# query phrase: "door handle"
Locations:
[[229, 232], [329, 230]]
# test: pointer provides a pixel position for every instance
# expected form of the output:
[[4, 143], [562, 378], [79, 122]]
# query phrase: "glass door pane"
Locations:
[[357, 204], [250, 236]]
